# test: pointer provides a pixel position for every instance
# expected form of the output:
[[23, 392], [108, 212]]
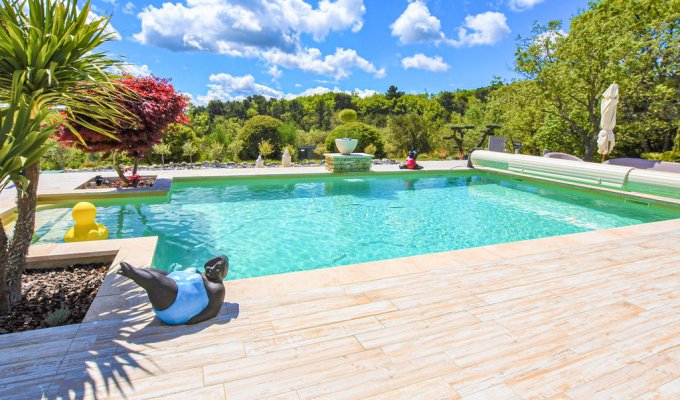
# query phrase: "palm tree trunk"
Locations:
[[15, 251], [4, 262]]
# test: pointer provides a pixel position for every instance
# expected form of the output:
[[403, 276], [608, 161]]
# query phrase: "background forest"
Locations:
[[554, 105]]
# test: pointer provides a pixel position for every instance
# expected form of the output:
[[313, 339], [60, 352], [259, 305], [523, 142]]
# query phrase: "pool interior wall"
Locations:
[[271, 225]]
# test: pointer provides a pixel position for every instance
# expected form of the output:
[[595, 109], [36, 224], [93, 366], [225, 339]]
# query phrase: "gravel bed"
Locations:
[[54, 297]]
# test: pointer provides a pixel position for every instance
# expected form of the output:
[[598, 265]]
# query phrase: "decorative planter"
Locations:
[[346, 145]]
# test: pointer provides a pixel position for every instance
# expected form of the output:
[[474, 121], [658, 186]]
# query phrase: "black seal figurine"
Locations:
[[182, 297]]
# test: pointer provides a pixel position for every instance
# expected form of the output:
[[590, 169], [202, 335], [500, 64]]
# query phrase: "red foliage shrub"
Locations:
[[156, 105]]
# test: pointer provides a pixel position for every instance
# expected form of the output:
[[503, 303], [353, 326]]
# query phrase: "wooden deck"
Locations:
[[560, 319]]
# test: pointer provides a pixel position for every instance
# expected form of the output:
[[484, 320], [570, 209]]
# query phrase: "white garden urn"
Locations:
[[346, 145], [259, 163], [285, 160]]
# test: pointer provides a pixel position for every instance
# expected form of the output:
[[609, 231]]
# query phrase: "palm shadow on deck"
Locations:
[[121, 357]]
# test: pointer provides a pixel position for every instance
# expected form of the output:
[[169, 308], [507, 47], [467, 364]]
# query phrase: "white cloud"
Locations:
[[338, 65], [114, 3], [227, 87], [521, 5], [364, 93], [270, 30], [135, 70], [129, 8], [275, 72], [417, 25], [482, 29], [421, 61]]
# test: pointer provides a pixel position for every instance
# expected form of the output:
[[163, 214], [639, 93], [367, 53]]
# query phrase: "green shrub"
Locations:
[[347, 116], [288, 134], [313, 137], [265, 148], [190, 149], [366, 134], [408, 132], [175, 137], [257, 129], [235, 149], [672, 156]]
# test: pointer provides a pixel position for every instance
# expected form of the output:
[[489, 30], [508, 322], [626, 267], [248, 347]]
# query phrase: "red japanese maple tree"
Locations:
[[154, 103]]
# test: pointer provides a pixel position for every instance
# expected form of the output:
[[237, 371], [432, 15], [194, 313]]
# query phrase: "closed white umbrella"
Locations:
[[606, 139]]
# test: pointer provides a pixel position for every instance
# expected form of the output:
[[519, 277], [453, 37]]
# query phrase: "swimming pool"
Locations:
[[275, 225]]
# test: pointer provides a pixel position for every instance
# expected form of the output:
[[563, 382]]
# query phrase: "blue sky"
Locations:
[[228, 49]]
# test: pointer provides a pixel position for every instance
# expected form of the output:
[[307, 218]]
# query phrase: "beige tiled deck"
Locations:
[[584, 316]]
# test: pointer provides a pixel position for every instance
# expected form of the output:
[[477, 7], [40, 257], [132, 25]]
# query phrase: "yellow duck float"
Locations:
[[85, 228]]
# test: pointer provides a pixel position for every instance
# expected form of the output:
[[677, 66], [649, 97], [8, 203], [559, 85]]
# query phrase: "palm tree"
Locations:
[[48, 49]]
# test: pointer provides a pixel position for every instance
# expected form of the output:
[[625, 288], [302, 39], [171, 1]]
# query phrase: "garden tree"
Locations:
[[215, 107], [175, 137], [288, 133], [343, 101], [518, 108], [374, 109], [201, 123], [265, 148], [312, 137], [47, 50], [453, 102], [649, 114], [162, 150], [366, 135], [458, 136], [611, 41], [550, 136], [216, 141], [215, 151], [235, 149], [347, 115], [408, 132], [393, 93], [155, 105], [255, 130], [189, 149]]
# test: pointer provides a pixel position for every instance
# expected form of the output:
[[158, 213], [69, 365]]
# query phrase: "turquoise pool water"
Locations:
[[280, 225]]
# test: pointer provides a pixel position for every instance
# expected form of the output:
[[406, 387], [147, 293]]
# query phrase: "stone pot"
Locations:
[[346, 145]]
